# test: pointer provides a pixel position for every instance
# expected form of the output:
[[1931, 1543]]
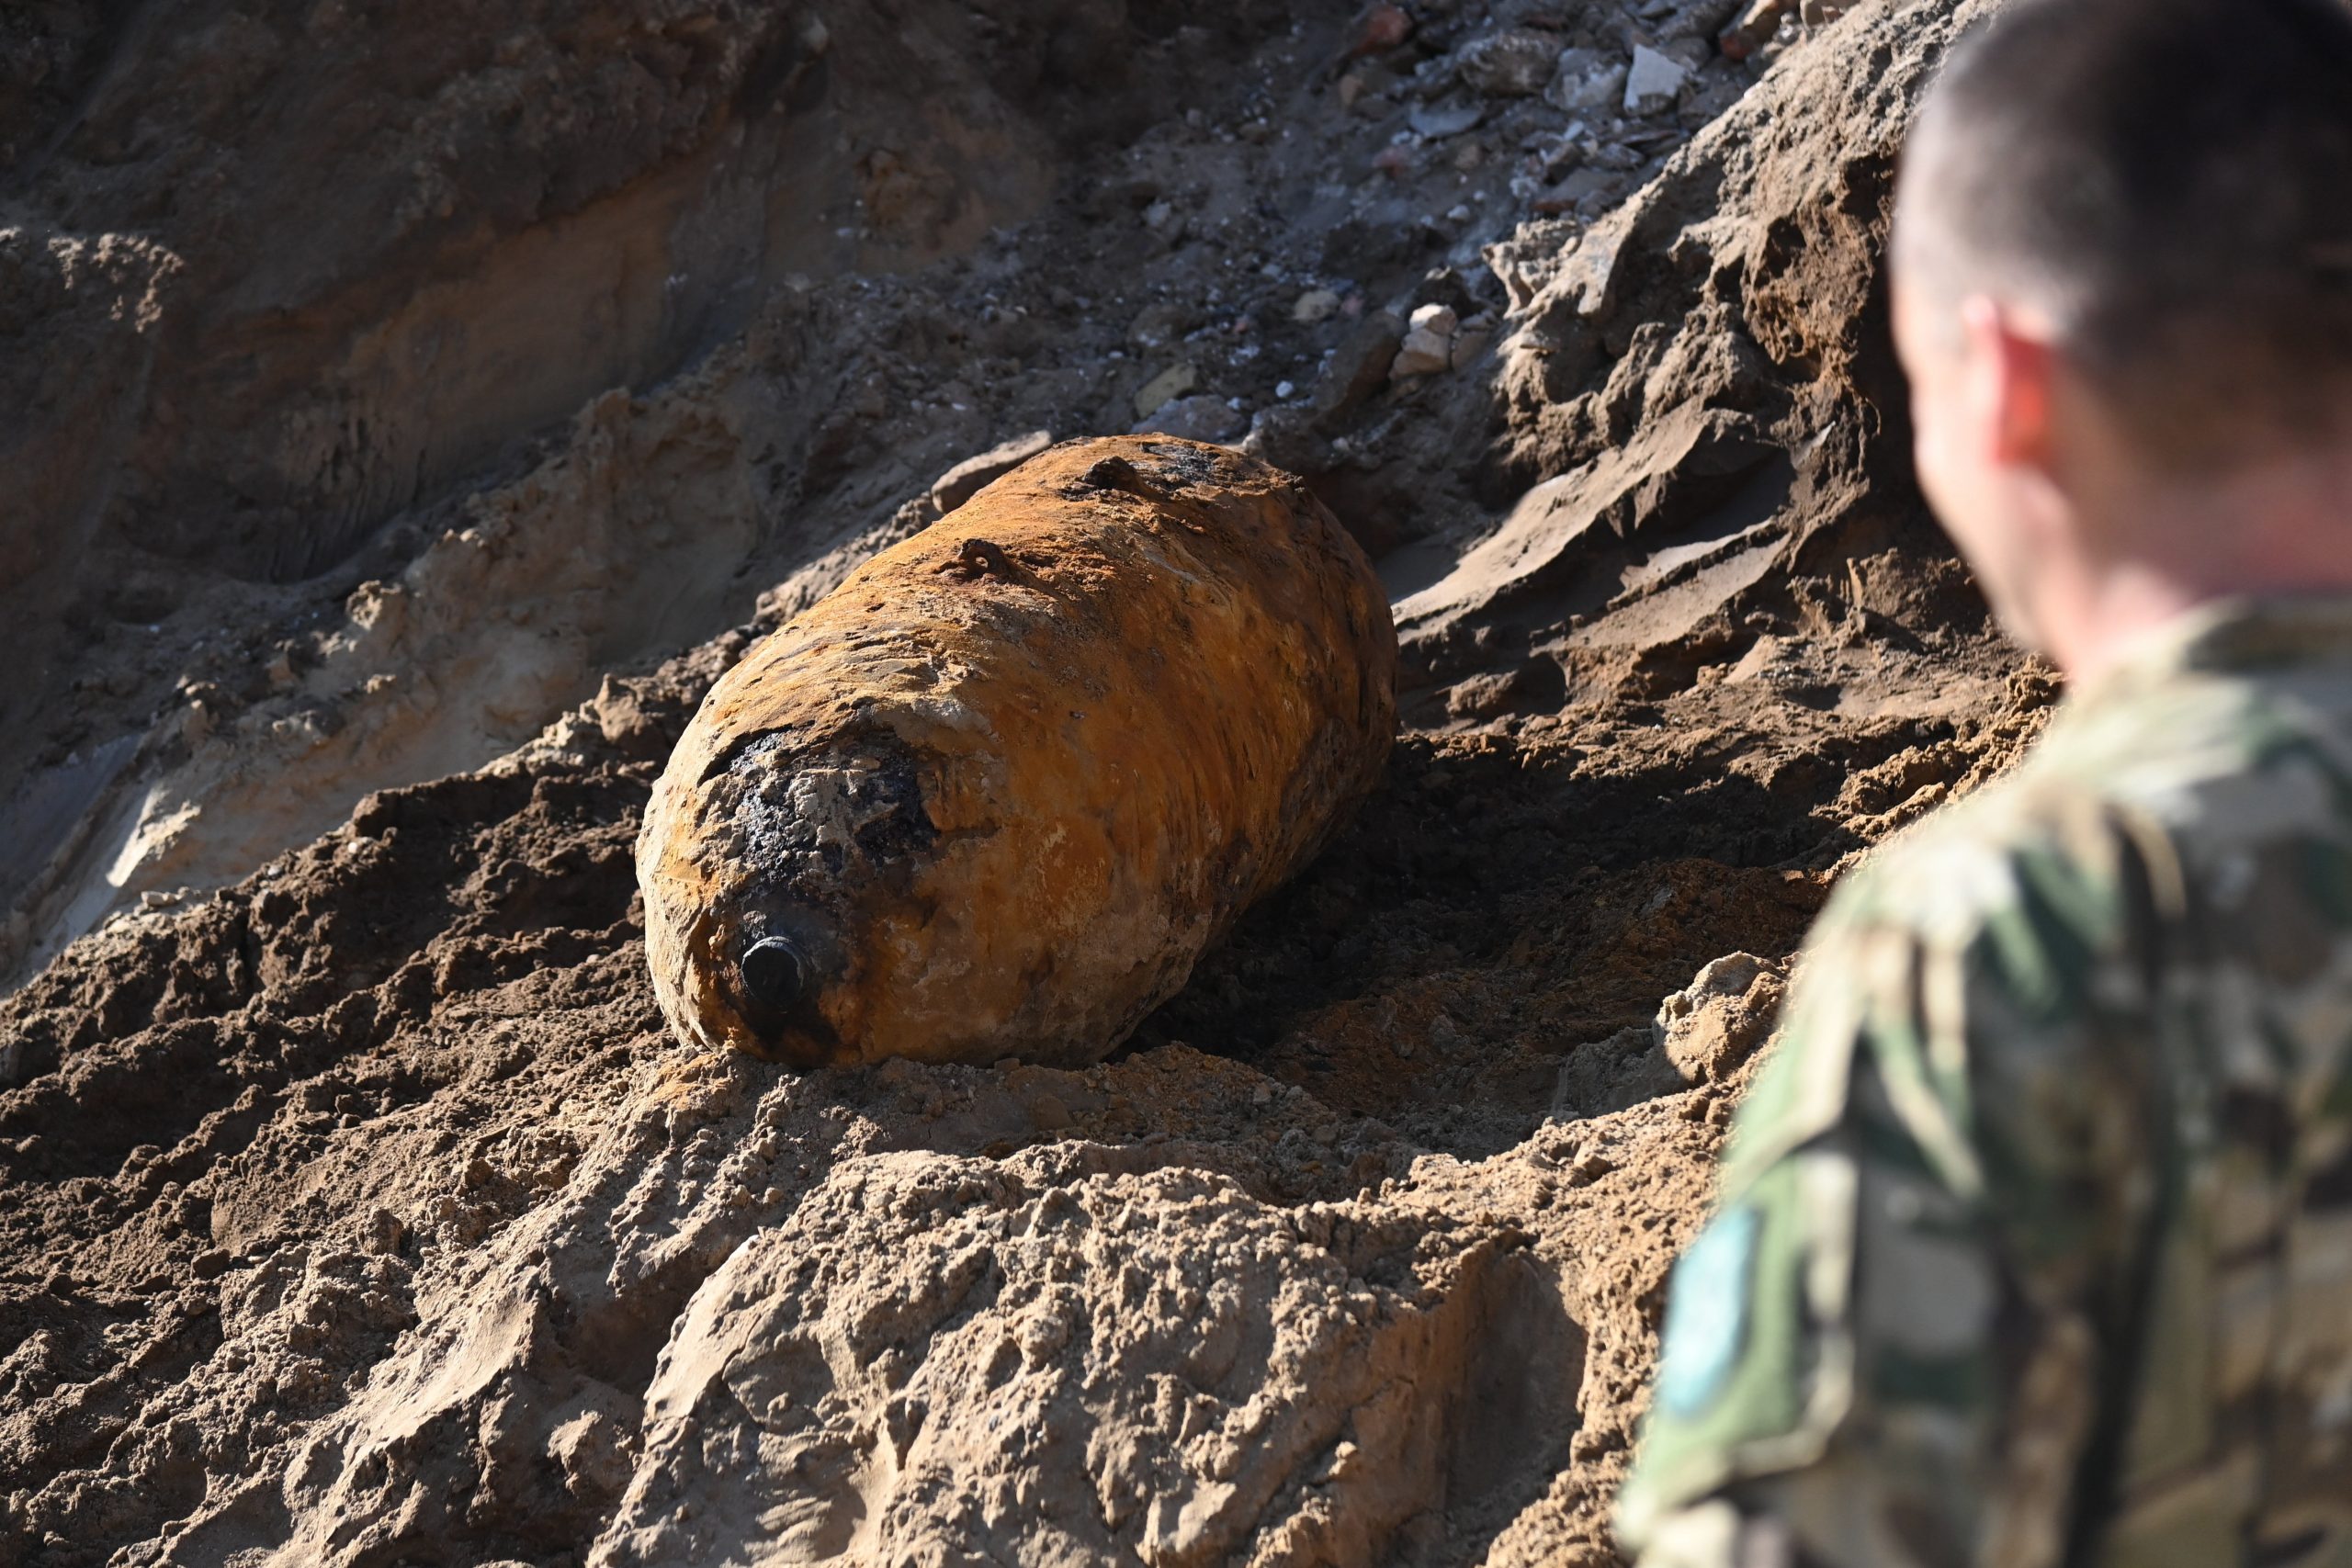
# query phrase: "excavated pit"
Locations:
[[356, 1206]]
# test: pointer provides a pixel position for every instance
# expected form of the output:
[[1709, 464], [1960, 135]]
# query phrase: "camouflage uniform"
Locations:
[[2035, 1241]]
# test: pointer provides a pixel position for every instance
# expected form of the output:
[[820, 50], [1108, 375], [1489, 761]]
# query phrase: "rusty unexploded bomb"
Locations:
[[995, 794]]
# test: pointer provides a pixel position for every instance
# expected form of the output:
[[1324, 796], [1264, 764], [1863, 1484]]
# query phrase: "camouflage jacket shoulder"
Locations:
[[2036, 1236]]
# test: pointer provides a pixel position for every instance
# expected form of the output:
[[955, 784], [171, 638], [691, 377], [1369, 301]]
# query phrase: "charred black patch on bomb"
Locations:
[[800, 813], [904, 830], [802, 829], [1177, 465]]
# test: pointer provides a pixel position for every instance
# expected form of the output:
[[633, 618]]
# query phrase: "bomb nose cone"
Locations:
[[775, 974]]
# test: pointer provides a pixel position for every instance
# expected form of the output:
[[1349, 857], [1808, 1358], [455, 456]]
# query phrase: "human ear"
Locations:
[[2014, 370]]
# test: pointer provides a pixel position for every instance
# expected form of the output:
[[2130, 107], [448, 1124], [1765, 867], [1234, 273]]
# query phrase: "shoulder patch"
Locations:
[[1707, 1312], [1756, 1364]]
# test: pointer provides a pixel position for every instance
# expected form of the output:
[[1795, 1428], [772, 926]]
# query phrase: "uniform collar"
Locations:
[[2240, 634]]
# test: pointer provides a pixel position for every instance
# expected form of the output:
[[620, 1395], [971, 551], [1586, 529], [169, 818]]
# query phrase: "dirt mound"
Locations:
[[297, 304], [362, 1212]]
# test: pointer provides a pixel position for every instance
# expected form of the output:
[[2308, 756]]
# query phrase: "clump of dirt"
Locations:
[[359, 1210]]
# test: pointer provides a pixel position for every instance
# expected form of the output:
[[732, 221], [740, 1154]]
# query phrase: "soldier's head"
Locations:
[[2123, 291]]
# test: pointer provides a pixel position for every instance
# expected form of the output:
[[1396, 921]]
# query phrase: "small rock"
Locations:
[[1382, 30], [1472, 340], [1447, 285], [1515, 63], [1199, 418], [1435, 122], [1158, 323], [1315, 305], [1586, 81], [1690, 53], [1538, 685], [969, 477], [1360, 366], [1285, 435], [592, 1450], [1582, 188], [384, 1232], [1165, 387], [1437, 318], [1428, 347], [1178, 1528], [1755, 27], [1590, 1167], [1653, 82], [1555, 155], [1715, 1024]]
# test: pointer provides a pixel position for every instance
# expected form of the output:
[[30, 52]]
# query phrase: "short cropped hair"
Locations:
[[2171, 181]]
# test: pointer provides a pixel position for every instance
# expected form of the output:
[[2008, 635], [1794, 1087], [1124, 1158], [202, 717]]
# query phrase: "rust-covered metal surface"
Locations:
[[996, 795]]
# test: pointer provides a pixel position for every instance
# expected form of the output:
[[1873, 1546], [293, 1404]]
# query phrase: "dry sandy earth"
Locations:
[[400, 405]]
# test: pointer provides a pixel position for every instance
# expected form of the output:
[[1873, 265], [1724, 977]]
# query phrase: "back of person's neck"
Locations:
[[2278, 528]]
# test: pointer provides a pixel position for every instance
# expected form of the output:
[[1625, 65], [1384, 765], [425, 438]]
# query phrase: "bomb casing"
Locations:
[[996, 793]]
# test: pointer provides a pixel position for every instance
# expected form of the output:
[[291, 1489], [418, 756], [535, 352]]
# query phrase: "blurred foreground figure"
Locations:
[[2035, 1241]]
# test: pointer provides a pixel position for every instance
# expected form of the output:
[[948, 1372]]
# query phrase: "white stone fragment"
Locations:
[[1653, 82], [1428, 347]]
